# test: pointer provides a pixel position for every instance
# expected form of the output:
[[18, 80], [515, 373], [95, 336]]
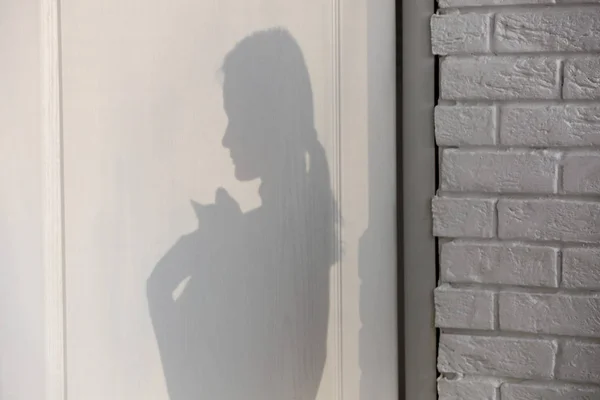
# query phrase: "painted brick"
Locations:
[[460, 33], [576, 29], [558, 314], [571, 125], [499, 171], [463, 217], [499, 264], [496, 356], [468, 388], [582, 78], [464, 308], [581, 173], [581, 268], [499, 78], [545, 391], [520, 121], [549, 219], [456, 126], [579, 361]]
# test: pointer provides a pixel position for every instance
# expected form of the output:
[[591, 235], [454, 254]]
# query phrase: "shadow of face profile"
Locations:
[[251, 321], [267, 97]]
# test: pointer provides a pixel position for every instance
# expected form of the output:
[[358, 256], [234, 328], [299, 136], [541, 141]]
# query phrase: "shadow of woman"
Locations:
[[251, 319]]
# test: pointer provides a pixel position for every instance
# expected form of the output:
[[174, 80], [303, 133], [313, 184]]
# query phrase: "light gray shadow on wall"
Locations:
[[251, 319]]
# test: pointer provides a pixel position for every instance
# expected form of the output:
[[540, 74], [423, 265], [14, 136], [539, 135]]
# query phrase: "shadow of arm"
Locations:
[[170, 271]]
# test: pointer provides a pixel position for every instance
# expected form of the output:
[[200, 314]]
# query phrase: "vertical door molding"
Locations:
[[336, 182], [53, 237]]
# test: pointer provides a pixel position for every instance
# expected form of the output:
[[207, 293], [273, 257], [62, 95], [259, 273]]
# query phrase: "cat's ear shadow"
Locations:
[[224, 206]]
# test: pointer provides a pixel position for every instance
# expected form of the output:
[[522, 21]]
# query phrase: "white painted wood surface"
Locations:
[[22, 340], [204, 144]]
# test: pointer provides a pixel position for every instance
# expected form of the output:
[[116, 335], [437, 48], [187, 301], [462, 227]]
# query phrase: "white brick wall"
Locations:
[[518, 205]]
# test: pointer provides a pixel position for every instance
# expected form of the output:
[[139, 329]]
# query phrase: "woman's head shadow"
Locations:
[[240, 306]]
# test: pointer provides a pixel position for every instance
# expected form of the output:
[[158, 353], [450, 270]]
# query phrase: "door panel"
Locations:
[[223, 206]]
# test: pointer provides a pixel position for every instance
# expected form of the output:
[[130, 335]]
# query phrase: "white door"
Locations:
[[199, 200]]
